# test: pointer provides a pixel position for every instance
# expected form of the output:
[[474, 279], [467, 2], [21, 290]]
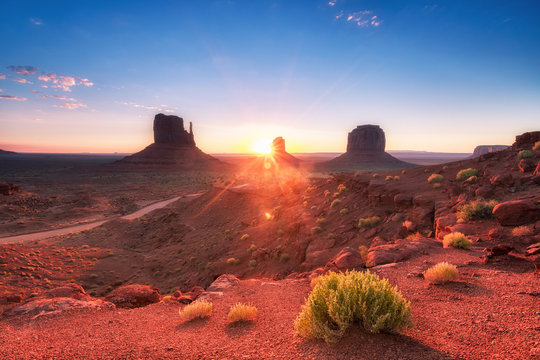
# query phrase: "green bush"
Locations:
[[457, 240], [344, 211], [525, 154], [368, 222], [477, 209], [435, 178], [340, 299], [464, 174]]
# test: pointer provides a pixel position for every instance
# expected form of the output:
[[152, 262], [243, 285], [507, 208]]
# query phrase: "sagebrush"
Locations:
[[464, 174], [340, 299], [368, 222], [435, 178], [457, 240], [476, 210]]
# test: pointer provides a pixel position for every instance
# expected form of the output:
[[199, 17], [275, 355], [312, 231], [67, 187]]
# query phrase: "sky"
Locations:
[[89, 76]]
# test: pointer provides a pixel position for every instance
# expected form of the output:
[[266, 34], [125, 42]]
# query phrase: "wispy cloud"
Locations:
[[431, 7], [58, 97], [148, 107], [362, 18], [36, 21], [9, 97], [2, 76], [71, 106], [22, 81], [56, 80], [1, 90], [24, 70]]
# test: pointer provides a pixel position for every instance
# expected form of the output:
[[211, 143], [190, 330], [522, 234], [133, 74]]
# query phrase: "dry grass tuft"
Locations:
[[536, 146], [242, 312], [457, 240], [522, 231], [196, 310], [368, 222], [441, 273], [233, 261], [435, 178]]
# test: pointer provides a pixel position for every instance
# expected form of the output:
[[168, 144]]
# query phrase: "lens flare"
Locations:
[[262, 146]]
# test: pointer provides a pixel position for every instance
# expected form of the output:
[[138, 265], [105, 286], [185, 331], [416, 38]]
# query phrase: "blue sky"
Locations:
[[436, 75]]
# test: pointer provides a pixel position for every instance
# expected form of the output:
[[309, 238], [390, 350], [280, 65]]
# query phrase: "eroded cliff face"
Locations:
[[366, 138]]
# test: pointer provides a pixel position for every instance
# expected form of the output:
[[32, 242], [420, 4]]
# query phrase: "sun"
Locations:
[[262, 146]]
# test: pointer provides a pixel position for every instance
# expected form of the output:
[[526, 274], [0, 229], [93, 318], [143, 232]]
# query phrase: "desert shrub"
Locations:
[[284, 257], [252, 248], [197, 309], [252, 263], [326, 193], [426, 170], [525, 154], [441, 273], [375, 176], [320, 220], [391, 178], [477, 209], [340, 299], [244, 237], [457, 240], [316, 229], [343, 212], [368, 222], [233, 261], [335, 203], [341, 188], [242, 312], [464, 174], [403, 172], [522, 231], [445, 168], [437, 185], [435, 178], [536, 146]]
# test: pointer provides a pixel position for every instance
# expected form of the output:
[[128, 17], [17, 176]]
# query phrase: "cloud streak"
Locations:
[[9, 97], [71, 106], [24, 70], [362, 18], [148, 107], [51, 79]]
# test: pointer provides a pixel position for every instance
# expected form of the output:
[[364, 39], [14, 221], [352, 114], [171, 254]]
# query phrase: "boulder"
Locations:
[[223, 282], [526, 165], [39, 307], [7, 188], [504, 179], [517, 212], [402, 201], [401, 250], [73, 291], [348, 259], [132, 296], [537, 170]]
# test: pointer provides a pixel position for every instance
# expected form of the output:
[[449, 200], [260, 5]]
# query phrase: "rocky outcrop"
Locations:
[[486, 149], [132, 296], [348, 259], [365, 150], [44, 306], [173, 148], [5, 152], [526, 165], [280, 154], [526, 140], [401, 250], [517, 212]]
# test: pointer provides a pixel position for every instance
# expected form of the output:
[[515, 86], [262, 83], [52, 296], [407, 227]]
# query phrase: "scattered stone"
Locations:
[[40, 307], [349, 259], [223, 282]]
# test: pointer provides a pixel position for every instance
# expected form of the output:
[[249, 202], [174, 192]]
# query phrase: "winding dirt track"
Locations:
[[90, 225]]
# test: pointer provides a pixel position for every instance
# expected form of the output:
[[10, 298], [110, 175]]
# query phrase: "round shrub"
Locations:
[[435, 178], [340, 299], [464, 174], [233, 261], [195, 310], [536, 146], [457, 240], [441, 273], [525, 154], [476, 210], [242, 312]]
